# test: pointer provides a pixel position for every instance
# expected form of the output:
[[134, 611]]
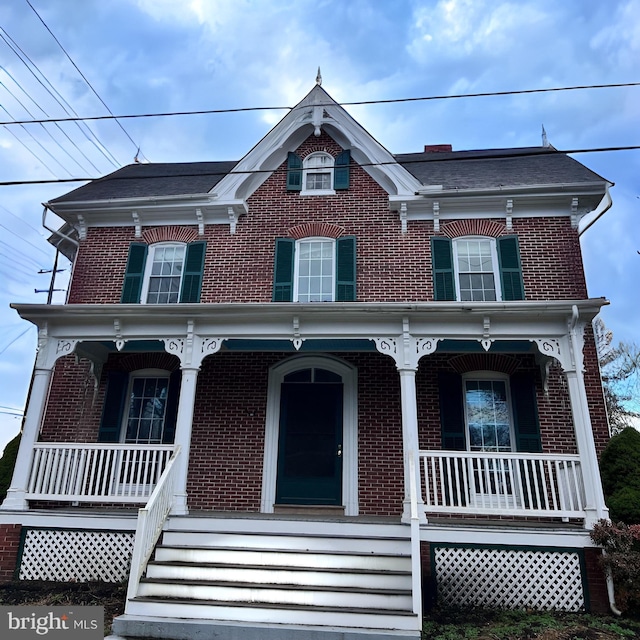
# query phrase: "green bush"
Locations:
[[620, 472], [7, 462]]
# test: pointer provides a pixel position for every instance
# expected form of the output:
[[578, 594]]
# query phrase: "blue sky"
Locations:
[[155, 56]]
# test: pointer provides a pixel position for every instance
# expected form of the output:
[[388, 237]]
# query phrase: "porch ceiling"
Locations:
[[519, 320]]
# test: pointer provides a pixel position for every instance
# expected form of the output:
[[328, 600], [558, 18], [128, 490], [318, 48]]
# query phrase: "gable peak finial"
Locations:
[[545, 140], [319, 78]]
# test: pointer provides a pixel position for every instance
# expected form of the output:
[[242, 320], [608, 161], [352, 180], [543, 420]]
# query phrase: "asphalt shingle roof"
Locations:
[[453, 170]]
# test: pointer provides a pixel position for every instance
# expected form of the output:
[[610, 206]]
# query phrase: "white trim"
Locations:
[[349, 436]]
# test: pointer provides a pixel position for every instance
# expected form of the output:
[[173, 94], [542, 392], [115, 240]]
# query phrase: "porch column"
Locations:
[[184, 420], [191, 351], [49, 350], [410, 445], [595, 504]]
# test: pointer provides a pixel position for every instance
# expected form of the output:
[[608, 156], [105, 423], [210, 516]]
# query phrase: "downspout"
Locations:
[[611, 590], [603, 206], [55, 231]]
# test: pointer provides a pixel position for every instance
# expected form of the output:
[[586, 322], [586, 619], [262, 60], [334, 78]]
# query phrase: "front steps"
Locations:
[[229, 578]]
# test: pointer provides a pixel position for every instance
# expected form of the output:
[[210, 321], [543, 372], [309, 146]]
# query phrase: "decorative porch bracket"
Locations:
[[191, 350], [49, 350]]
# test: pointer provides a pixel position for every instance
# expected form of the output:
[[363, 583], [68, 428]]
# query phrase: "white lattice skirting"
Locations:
[[509, 578], [76, 556]]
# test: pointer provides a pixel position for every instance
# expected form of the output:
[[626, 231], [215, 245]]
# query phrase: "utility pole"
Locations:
[[55, 270]]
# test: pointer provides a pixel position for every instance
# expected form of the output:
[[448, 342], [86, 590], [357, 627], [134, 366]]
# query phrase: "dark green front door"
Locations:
[[310, 440]]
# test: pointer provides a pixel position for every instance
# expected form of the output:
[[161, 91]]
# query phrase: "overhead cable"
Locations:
[[328, 104]]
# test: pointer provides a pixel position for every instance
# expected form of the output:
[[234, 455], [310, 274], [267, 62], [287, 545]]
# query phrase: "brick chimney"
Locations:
[[437, 148]]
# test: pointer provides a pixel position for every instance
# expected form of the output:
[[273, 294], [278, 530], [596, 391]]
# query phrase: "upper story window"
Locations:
[[477, 269], [319, 173], [315, 270], [164, 273], [476, 264], [314, 277]]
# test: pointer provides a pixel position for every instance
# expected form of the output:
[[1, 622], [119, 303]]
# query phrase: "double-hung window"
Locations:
[[315, 270], [477, 269], [319, 173], [164, 273], [145, 415]]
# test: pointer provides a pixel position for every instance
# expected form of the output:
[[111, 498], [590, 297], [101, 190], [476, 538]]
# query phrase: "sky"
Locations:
[[158, 56]]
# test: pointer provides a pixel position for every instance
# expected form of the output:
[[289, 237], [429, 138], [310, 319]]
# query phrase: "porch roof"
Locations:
[[518, 320]]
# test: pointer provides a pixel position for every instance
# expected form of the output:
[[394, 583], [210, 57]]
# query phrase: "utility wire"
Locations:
[[33, 153], [23, 222], [57, 96], [24, 239], [62, 131], [137, 146], [412, 161], [14, 340], [330, 104]]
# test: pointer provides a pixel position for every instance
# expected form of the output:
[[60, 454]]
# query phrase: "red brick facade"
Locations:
[[9, 548]]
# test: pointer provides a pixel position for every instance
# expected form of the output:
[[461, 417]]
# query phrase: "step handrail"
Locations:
[[151, 519]]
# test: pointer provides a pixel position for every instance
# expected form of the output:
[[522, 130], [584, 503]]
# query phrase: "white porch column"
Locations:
[[595, 504], [49, 350], [407, 350], [410, 444], [184, 420], [191, 351]]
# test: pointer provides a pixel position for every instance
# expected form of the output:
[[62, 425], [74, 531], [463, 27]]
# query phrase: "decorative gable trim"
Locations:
[[316, 229], [170, 234], [460, 228], [484, 362]]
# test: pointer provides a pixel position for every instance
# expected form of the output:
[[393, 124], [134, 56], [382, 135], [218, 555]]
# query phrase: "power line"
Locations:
[[82, 75], [329, 104], [14, 340], [437, 158], [57, 96]]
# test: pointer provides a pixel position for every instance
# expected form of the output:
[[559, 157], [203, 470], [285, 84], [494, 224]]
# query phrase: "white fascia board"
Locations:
[[72, 520], [445, 320], [151, 211], [317, 108]]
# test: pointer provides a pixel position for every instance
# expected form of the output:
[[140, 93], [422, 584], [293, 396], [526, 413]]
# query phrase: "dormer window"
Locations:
[[319, 173]]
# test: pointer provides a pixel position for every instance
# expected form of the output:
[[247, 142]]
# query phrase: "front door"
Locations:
[[310, 438]]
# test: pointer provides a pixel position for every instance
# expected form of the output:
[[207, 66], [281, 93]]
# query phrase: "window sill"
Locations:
[[318, 192]]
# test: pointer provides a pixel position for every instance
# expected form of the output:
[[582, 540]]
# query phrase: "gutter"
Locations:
[[55, 231], [599, 211]]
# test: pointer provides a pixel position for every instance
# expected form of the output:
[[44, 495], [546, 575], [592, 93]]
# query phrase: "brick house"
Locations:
[[342, 384]]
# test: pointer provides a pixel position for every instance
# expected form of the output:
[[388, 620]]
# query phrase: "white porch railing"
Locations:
[[523, 484], [150, 522], [80, 472]]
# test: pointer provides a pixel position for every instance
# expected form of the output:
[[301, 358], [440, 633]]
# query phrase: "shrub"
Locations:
[[621, 543], [7, 462], [620, 472]]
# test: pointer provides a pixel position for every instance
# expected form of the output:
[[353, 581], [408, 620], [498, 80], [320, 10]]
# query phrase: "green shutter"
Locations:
[[193, 270], [341, 170], [510, 268], [525, 413], [114, 401], [442, 260], [451, 411], [283, 270], [346, 269], [132, 287], [171, 411], [294, 172]]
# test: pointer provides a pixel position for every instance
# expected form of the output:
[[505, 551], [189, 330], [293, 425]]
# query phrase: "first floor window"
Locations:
[[145, 419], [487, 413]]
